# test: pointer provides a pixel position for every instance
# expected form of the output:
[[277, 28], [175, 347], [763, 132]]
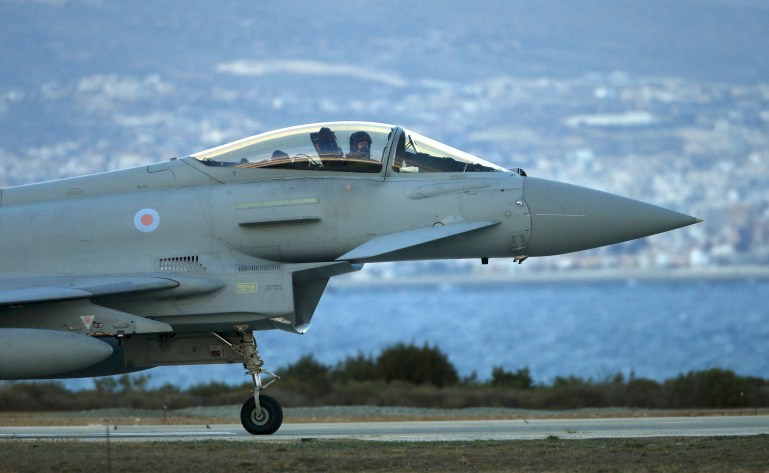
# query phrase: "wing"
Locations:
[[71, 303], [27, 290]]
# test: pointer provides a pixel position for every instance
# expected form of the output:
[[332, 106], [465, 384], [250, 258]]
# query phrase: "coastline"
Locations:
[[711, 273]]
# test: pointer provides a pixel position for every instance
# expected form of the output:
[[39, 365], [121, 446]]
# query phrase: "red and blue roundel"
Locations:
[[147, 220]]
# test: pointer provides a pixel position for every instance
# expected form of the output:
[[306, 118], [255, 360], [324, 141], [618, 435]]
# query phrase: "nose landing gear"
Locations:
[[260, 414]]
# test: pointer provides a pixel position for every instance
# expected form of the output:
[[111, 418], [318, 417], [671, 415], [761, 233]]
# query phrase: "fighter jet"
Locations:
[[183, 261]]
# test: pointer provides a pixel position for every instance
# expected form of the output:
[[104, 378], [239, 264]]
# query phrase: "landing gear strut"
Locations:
[[261, 414]]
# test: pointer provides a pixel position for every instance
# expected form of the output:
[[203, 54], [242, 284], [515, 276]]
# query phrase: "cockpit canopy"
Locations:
[[361, 147]]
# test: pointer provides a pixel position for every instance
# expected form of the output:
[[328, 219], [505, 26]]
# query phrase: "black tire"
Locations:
[[270, 421]]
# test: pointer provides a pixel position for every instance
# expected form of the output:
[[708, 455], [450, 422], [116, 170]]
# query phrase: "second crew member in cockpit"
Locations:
[[360, 145]]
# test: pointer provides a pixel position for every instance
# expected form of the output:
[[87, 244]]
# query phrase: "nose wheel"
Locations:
[[264, 420], [260, 414]]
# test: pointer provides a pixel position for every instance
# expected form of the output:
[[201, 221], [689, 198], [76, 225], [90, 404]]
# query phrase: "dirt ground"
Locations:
[[698, 454]]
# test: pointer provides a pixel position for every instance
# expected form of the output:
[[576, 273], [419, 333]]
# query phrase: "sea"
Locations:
[[593, 330]]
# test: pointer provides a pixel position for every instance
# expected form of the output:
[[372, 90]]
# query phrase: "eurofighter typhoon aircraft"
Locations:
[[183, 261]]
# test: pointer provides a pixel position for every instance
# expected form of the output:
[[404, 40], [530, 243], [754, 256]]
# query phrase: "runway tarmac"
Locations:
[[518, 429]]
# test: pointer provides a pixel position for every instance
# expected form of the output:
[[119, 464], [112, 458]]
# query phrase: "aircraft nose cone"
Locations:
[[566, 218]]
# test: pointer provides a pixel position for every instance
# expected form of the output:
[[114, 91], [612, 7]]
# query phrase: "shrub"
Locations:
[[643, 393], [521, 379], [711, 388], [33, 396], [358, 368], [307, 376], [409, 363]]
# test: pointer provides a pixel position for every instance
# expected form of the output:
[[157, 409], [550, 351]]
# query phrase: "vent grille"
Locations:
[[258, 267], [182, 264]]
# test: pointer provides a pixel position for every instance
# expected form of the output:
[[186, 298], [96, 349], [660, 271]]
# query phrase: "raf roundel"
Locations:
[[147, 220]]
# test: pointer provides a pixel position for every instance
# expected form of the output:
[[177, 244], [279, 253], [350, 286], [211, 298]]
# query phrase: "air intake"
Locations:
[[258, 268], [182, 264]]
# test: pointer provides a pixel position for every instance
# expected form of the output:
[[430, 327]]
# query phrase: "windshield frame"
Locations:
[[305, 152]]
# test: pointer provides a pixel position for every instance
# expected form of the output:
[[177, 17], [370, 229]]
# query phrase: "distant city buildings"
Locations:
[[701, 148]]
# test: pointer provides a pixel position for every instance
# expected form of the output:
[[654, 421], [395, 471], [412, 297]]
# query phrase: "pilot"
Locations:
[[360, 145]]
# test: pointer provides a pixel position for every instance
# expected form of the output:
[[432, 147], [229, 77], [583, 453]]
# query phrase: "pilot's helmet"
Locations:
[[277, 154], [356, 138]]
